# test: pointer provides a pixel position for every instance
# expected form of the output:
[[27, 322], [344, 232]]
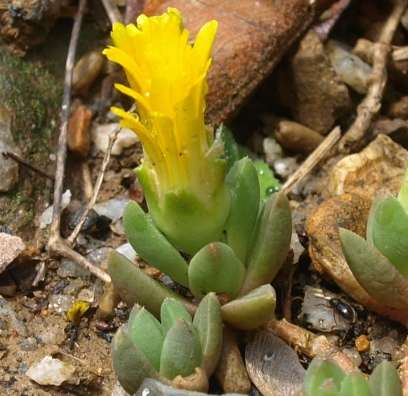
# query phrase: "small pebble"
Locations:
[[100, 137], [79, 135], [50, 371], [353, 355], [75, 285], [297, 137], [128, 251], [386, 344], [284, 167], [113, 208], [86, 70], [60, 303], [69, 268], [29, 344], [362, 343], [46, 216], [9, 320], [272, 149], [351, 69], [10, 248], [86, 295]]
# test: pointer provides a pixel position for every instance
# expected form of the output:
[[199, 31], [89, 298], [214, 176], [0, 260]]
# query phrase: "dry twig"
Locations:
[[75, 232], [113, 13], [313, 159], [308, 343], [55, 244], [370, 106]]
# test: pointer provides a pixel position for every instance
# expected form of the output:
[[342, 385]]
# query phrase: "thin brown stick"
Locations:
[[62, 141], [313, 159], [371, 104], [113, 13], [75, 232], [310, 344], [55, 244], [8, 154]]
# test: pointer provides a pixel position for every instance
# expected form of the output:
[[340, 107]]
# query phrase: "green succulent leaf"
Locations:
[[268, 184], [232, 151], [252, 310], [270, 243], [243, 183], [216, 268], [373, 271], [318, 373], [327, 388], [151, 245], [355, 384], [146, 332], [387, 230], [171, 311], [130, 364], [181, 352], [136, 287], [384, 380], [403, 192], [208, 325]]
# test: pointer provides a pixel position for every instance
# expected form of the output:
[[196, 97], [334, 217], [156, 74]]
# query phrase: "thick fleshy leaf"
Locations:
[[318, 373], [136, 287], [387, 230], [208, 325], [385, 381], [232, 150], [270, 243], [355, 384], [146, 332], [327, 388], [130, 364], [151, 245], [252, 310], [216, 268], [243, 183], [171, 311], [181, 352], [373, 271], [268, 184], [403, 192]]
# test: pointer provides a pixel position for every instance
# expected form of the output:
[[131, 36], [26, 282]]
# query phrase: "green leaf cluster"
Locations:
[[326, 378], [178, 346], [380, 262]]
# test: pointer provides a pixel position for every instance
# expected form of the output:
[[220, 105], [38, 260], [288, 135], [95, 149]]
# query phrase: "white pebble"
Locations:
[[46, 216], [50, 371], [127, 250], [100, 137], [351, 69]]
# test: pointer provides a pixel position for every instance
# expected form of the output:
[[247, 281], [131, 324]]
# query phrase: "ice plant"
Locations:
[[182, 174], [206, 228], [380, 263], [180, 350]]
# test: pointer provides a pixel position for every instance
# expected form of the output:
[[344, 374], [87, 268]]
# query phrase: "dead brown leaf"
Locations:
[[252, 37]]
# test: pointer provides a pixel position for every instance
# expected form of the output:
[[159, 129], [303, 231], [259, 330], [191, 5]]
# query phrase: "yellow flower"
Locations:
[[167, 78]]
